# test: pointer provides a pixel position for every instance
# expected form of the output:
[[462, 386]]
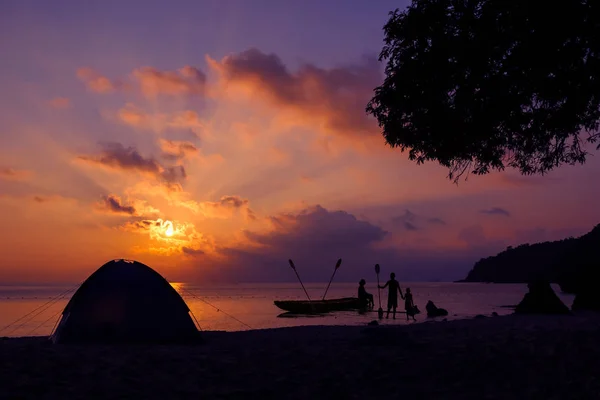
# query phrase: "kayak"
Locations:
[[319, 306]]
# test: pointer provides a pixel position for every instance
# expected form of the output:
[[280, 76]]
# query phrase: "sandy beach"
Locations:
[[484, 358]]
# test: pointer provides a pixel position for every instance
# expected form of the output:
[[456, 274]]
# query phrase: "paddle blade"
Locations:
[[292, 264], [338, 263], [377, 269]]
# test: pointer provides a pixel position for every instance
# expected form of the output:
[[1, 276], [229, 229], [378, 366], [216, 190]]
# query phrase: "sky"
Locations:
[[215, 140]]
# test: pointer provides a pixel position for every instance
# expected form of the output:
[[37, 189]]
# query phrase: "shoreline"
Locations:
[[504, 357]]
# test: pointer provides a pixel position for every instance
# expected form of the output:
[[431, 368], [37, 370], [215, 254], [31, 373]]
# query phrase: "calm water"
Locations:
[[252, 304]]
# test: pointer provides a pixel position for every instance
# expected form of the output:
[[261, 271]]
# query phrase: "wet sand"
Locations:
[[487, 358]]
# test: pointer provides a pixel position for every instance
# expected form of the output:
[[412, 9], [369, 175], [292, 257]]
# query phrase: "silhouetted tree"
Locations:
[[478, 85]]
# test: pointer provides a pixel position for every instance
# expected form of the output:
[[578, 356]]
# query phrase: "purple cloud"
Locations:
[[337, 95], [314, 238], [496, 211], [408, 220], [436, 221]]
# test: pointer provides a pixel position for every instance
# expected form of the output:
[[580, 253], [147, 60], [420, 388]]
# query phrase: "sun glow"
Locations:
[[169, 230]]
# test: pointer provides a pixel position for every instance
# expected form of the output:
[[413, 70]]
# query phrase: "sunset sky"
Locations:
[[213, 140]]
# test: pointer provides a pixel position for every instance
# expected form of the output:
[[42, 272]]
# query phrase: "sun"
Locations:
[[169, 231]]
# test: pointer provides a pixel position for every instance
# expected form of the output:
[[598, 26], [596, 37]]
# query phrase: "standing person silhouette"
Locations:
[[394, 288]]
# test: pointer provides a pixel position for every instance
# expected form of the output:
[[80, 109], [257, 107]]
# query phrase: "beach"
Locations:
[[505, 357]]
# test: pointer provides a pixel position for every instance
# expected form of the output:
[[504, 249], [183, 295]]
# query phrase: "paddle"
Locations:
[[380, 311], [294, 268], [339, 262]]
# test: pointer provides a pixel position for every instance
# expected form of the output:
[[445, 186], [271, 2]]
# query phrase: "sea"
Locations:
[[35, 310]]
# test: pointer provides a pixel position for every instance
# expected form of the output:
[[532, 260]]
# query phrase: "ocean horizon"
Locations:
[[34, 310]]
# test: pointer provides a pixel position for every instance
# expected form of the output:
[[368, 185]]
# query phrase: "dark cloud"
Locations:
[[116, 156], [174, 174], [496, 211], [316, 237], [140, 226], [233, 201], [411, 221], [336, 96], [112, 203], [436, 221], [226, 206], [192, 252], [407, 220], [410, 226]]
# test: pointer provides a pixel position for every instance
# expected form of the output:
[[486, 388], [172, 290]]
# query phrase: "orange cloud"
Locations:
[[185, 81], [149, 81], [278, 155], [98, 83], [175, 196], [60, 102], [306, 179], [363, 176], [143, 208], [10, 174], [158, 122], [177, 150], [331, 99], [170, 237], [226, 207]]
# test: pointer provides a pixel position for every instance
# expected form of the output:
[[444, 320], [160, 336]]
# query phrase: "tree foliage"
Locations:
[[479, 85]]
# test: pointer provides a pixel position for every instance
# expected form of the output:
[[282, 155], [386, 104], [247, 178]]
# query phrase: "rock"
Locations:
[[480, 316], [373, 323], [433, 311], [587, 296], [587, 300], [541, 299], [494, 314]]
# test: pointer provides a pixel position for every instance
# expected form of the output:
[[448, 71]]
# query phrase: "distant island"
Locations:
[[566, 262]]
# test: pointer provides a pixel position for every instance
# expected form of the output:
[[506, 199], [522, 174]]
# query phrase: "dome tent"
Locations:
[[125, 301]]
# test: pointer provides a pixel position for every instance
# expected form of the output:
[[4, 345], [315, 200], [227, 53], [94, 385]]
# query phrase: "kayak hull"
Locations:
[[319, 306]]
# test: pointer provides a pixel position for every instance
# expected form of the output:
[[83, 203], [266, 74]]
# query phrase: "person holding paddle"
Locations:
[[394, 288]]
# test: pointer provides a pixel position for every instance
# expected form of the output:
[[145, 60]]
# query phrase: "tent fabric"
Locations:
[[125, 301]]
